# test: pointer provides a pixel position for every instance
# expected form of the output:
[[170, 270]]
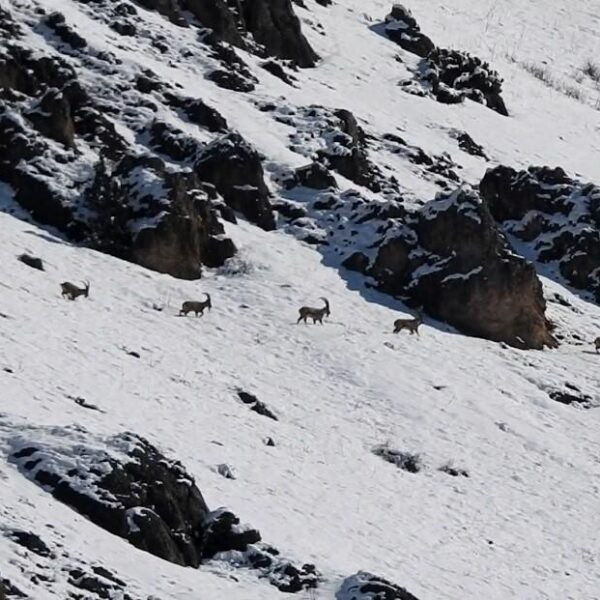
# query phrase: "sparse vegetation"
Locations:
[[403, 460], [592, 70]]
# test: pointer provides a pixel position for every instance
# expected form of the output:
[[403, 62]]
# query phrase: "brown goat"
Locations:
[[316, 314], [71, 291], [195, 307], [411, 324]]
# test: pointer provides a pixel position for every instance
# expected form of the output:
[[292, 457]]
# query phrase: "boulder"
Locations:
[[473, 279], [454, 75], [235, 169], [401, 27], [452, 260], [126, 486], [274, 25], [52, 117], [366, 586], [315, 176]]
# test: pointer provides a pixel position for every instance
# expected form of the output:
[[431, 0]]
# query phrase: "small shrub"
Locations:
[[592, 70], [403, 460]]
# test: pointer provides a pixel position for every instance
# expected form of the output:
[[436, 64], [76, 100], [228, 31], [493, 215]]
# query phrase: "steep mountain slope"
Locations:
[[77, 375]]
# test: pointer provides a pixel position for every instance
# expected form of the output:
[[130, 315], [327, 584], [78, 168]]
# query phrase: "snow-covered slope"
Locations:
[[523, 524]]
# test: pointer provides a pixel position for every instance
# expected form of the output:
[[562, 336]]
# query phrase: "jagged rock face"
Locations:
[[126, 486], [558, 216], [272, 25], [275, 26], [171, 226], [476, 282], [156, 217], [235, 169], [455, 263]]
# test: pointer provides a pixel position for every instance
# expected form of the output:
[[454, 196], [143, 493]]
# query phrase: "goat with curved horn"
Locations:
[[316, 314], [195, 307]]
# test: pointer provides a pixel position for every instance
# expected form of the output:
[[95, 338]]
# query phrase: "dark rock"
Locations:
[[180, 230], [557, 215], [277, 71], [8, 590], [476, 282], [231, 80], [148, 499], [353, 162], [468, 145], [274, 25], [262, 409], [91, 583], [199, 113], [453, 73], [366, 586], [403, 460], [147, 84], [52, 117], [223, 533], [235, 169], [315, 176], [32, 261], [98, 131], [357, 261], [571, 398], [29, 540], [169, 8], [246, 397], [402, 28], [124, 27], [172, 142], [56, 22], [269, 442], [289, 210]]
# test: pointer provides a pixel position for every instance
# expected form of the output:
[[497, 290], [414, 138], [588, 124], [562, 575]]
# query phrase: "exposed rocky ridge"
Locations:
[[126, 486], [557, 217], [450, 76], [50, 122]]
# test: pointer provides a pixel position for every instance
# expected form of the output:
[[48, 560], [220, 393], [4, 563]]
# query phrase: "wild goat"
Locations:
[[597, 344], [71, 291], [316, 314], [411, 324], [195, 307]]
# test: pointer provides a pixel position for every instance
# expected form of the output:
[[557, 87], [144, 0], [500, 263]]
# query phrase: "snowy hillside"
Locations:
[[450, 466]]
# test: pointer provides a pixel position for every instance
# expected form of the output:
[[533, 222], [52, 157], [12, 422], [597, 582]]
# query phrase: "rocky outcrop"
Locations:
[[235, 169], [126, 486], [52, 118], [274, 25], [265, 27], [454, 76], [401, 27], [450, 76], [558, 217], [157, 217], [455, 263], [366, 586]]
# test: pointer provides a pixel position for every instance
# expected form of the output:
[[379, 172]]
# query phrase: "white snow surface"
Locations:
[[523, 525]]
